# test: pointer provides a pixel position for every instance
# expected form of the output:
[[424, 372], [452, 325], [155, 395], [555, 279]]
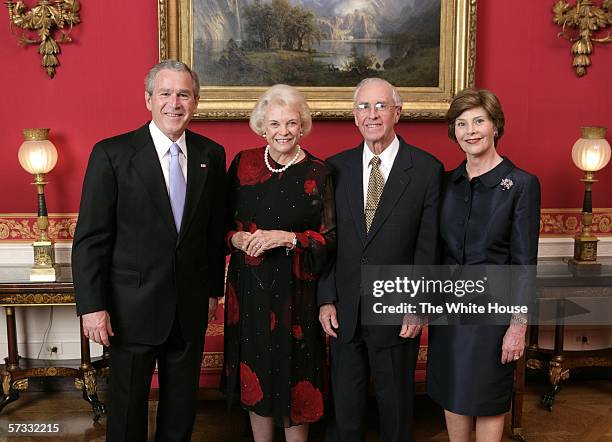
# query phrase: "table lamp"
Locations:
[[38, 156], [590, 153]]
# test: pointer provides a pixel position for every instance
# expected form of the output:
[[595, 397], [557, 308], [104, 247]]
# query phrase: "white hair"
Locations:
[[397, 99], [283, 95]]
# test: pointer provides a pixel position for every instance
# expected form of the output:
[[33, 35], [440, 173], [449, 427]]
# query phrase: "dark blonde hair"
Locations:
[[469, 99]]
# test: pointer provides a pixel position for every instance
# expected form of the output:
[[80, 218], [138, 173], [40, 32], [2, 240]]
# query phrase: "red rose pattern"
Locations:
[[315, 236], [252, 169], [306, 403], [231, 304], [310, 187], [299, 271], [250, 389], [272, 321], [296, 330]]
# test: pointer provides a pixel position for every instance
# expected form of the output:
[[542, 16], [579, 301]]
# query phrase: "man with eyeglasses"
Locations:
[[387, 196]]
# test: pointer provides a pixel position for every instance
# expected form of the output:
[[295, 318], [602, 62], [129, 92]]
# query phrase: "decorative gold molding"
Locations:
[[44, 19], [457, 63], [567, 221], [553, 222], [212, 361], [214, 330], [37, 299], [22, 226], [586, 19]]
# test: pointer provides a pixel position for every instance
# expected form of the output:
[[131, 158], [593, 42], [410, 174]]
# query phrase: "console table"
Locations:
[[558, 286], [16, 291]]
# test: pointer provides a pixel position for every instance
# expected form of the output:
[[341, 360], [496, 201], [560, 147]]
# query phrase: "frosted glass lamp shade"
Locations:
[[592, 151], [37, 154]]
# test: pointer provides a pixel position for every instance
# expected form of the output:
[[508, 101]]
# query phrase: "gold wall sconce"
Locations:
[[586, 19], [590, 153], [43, 20], [38, 156]]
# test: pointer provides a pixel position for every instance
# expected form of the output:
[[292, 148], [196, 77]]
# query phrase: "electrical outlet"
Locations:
[[52, 349], [583, 339]]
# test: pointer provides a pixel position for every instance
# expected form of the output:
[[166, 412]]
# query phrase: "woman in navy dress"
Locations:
[[282, 232], [490, 215]]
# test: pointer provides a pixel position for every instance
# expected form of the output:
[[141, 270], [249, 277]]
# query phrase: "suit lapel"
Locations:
[[197, 172], [146, 163], [355, 191], [396, 184]]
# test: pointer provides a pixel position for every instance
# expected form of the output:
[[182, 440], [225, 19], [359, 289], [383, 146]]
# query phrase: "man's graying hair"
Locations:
[[173, 65], [397, 99]]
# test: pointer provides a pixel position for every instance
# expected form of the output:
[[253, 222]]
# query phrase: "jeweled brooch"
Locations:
[[506, 183]]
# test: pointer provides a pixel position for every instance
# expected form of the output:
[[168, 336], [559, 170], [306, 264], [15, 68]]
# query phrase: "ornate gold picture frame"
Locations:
[[455, 70]]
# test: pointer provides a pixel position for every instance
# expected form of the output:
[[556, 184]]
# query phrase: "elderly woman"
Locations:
[[490, 215], [282, 232]]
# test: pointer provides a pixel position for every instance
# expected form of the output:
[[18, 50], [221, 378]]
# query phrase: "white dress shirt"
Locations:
[[162, 146], [387, 157]]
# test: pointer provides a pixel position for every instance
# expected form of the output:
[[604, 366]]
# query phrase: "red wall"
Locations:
[[98, 92]]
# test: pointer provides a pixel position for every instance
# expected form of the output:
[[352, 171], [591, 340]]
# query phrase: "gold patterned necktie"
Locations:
[[376, 185]]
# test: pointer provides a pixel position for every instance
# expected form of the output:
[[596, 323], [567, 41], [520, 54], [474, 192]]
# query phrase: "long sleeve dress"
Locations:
[[493, 219], [274, 344]]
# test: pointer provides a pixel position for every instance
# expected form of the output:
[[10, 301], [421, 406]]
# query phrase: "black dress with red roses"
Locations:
[[273, 341]]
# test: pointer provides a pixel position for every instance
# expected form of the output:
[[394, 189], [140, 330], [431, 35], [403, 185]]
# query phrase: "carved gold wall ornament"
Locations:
[[587, 19], [44, 19]]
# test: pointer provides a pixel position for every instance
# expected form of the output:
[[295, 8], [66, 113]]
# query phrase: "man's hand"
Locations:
[[513, 345], [411, 326], [212, 308], [328, 319], [97, 327]]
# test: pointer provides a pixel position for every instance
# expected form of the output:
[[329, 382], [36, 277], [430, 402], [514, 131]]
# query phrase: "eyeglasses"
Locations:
[[363, 108]]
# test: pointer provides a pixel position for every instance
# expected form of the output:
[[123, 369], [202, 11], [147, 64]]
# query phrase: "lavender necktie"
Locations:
[[177, 186]]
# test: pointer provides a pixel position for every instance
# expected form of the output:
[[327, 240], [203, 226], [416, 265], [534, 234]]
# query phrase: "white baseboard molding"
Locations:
[[553, 247], [22, 253]]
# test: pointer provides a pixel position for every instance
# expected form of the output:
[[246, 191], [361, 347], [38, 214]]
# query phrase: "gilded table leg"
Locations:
[[556, 373], [9, 394], [517, 400], [88, 383], [11, 363]]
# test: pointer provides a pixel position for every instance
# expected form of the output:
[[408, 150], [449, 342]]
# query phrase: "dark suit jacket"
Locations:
[[404, 230], [127, 257]]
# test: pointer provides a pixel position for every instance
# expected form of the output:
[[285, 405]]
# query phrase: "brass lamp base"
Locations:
[[585, 248], [583, 268], [45, 274], [45, 269]]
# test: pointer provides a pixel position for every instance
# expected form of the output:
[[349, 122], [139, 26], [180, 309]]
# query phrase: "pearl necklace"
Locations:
[[286, 166]]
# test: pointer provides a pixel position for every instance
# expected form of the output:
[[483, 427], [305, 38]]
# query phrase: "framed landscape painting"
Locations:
[[323, 47]]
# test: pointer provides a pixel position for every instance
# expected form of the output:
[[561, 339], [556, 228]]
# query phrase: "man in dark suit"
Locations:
[[148, 259], [387, 197]]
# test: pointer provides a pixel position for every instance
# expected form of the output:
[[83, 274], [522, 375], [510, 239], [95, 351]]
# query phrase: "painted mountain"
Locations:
[[218, 20], [316, 42]]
